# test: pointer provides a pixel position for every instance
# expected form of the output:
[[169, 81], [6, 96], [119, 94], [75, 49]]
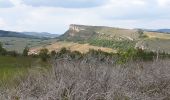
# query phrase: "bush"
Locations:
[[76, 55], [53, 53], [63, 53], [25, 51], [2, 50], [81, 80], [140, 32], [12, 53], [44, 54]]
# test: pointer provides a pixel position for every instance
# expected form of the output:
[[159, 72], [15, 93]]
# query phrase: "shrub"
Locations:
[[44, 54], [25, 51], [140, 32], [62, 53], [53, 53], [81, 80], [76, 55], [12, 53], [2, 50]]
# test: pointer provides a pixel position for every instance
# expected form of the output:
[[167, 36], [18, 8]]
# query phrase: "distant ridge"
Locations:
[[41, 34], [158, 30], [14, 34], [4, 33], [163, 30]]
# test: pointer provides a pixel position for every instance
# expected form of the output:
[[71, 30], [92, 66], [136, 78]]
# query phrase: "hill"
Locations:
[[86, 36], [86, 32], [45, 35], [18, 44], [14, 34], [158, 30], [83, 33], [41, 34], [164, 30], [116, 38], [157, 35]]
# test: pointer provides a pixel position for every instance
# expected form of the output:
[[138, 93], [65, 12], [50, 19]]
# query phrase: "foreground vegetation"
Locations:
[[11, 67], [14, 65], [88, 79], [131, 74]]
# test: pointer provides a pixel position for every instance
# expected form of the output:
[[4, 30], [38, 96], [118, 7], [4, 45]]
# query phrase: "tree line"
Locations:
[[121, 56]]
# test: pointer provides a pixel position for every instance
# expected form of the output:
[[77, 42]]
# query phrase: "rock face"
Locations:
[[86, 32], [75, 29]]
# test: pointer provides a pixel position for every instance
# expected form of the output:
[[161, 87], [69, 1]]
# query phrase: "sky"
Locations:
[[55, 16]]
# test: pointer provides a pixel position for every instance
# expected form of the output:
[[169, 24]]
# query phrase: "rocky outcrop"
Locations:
[[75, 29]]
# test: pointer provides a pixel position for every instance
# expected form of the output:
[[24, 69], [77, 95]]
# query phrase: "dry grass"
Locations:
[[157, 35], [118, 33], [88, 80], [83, 48]]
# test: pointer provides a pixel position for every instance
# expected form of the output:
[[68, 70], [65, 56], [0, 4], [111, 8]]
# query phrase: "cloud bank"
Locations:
[[55, 15]]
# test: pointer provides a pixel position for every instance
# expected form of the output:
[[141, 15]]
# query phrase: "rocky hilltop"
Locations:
[[117, 37], [86, 32], [75, 29]]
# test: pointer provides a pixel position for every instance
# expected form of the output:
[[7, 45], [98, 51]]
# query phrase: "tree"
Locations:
[[140, 32], [2, 50], [13, 53], [53, 53], [25, 51], [0, 45], [44, 54]]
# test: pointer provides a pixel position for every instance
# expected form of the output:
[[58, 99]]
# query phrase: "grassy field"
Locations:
[[157, 35], [161, 45], [83, 48], [12, 68], [18, 44]]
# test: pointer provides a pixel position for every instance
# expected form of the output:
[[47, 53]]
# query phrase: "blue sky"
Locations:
[[54, 16]]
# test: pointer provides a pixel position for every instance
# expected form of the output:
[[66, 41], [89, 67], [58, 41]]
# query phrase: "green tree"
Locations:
[[53, 53], [12, 53], [0, 45], [2, 50], [25, 51], [44, 54]]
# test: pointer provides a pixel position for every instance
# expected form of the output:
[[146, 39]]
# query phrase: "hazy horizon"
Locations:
[[55, 16]]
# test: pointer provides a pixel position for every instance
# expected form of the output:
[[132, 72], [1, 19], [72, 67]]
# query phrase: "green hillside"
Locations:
[[83, 33], [15, 34], [155, 45], [117, 38], [18, 44]]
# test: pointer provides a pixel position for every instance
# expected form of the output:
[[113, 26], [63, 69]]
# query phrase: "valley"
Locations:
[[18, 44], [84, 50], [87, 37], [110, 59]]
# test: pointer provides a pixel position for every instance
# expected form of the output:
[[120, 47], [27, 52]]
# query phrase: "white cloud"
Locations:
[[17, 3], [5, 4], [64, 3], [2, 23], [118, 13], [164, 3], [127, 3]]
